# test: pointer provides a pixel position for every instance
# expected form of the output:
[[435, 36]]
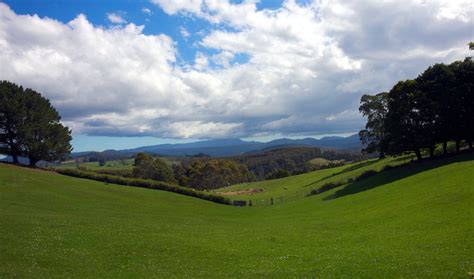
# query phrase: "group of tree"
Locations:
[[211, 173], [30, 126], [433, 109], [197, 173], [281, 162], [147, 167]]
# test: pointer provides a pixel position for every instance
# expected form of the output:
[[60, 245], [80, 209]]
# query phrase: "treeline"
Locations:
[[419, 114], [199, 174], [210, 173], [283, 162]]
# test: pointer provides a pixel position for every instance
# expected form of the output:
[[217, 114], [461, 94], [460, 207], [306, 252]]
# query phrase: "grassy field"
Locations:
[[296, 187], [413, 222]]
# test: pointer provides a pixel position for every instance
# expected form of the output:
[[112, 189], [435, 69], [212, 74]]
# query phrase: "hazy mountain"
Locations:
[[230, 147]]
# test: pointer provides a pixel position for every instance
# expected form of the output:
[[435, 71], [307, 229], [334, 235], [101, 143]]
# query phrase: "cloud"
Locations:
[[146, 11], [299, 69], [116, 18], [184, 32]]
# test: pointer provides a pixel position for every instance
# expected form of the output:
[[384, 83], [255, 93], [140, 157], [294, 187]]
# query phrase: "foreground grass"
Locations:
[[409, 222]]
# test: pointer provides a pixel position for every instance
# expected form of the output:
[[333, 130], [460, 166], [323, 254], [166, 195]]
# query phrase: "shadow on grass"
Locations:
[[348, 169], [398, 173]]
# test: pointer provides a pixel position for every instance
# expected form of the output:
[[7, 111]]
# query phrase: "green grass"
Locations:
[[413, 222], [296, 187]]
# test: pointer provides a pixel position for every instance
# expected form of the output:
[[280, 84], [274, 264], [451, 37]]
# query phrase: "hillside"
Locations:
[[414, 221]]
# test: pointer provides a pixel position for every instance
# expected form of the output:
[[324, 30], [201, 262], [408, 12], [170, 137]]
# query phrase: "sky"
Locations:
[[129, 73]]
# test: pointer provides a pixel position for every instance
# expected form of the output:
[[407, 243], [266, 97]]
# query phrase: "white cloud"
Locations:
[[299, 69], [184, 32], [146, 11], [116, 18]]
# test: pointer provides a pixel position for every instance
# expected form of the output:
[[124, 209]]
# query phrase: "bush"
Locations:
[[144, 183], [120, 172]]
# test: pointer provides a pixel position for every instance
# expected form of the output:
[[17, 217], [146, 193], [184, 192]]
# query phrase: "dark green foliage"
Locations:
[[279, 173], [435, 108], [375, 108], [102, 162], [294, 160], [212, 173], [117, 172], [148, 167], [10, 120], [144, 183], [30, 126]]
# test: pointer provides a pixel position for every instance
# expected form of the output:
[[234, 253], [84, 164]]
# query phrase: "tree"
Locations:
[[102, 162], [149, 168], [30, 126], [463, 74], [440, 108], [375, 108], [405, 125], [11, 116], [42, 135]]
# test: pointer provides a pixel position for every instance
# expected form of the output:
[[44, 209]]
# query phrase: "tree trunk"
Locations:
[[432, 149], [381, 155], [15, 159], [458, 145], [445, 148], [33, 162], [418, 154]]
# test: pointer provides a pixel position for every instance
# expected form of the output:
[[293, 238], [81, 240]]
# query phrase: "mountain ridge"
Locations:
[[236, 146]]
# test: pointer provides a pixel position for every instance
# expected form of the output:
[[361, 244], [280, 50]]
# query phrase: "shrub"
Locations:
[[120, 172], [144, 183]]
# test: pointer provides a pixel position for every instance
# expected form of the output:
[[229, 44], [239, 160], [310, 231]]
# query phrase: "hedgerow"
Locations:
[[144, 183]]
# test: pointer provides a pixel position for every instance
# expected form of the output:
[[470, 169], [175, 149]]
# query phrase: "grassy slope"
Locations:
[[299, 186], [411, 222]]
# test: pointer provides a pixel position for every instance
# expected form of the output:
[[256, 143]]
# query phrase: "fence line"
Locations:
[[277, 199]]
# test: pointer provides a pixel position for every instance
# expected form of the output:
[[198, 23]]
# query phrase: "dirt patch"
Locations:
[[241, 192]]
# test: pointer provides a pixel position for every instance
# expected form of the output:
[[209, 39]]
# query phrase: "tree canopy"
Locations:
[[30, 126], [417, 114]]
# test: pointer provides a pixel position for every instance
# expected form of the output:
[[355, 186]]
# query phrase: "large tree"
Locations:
[[438, 105], [30, 126], [405, 123], [375, 108], [11, 118], [149, 168], [463, 93]]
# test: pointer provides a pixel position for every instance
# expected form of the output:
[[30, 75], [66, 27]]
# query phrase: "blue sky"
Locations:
[[130, 73]]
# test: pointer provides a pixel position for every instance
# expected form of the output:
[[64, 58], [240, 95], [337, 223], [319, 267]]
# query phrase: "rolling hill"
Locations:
[[414, 221]]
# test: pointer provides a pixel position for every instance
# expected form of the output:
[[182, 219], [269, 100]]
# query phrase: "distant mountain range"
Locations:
[[231, 147]]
